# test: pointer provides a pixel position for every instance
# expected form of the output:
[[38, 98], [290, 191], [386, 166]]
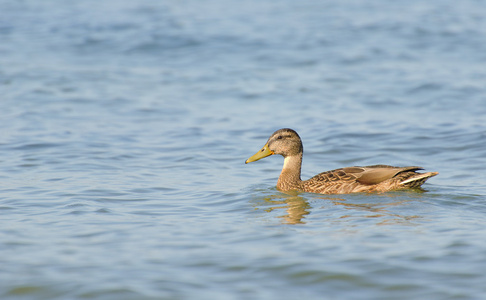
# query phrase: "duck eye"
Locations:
[[279, 137]]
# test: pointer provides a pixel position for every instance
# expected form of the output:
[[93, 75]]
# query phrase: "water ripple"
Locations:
[[126, 126]]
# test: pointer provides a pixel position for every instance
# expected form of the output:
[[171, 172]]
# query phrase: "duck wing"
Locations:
[[377, 178], [368, 175], [376, 174]]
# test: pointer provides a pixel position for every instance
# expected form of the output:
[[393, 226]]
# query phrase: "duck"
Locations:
[[375, 178]]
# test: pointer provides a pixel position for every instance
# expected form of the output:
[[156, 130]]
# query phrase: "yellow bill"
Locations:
[[264, 152]]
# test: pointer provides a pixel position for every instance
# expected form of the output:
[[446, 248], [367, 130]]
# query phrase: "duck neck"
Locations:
[[290, 177]]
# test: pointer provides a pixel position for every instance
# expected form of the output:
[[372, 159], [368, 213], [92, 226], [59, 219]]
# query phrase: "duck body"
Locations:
[[376, 178]]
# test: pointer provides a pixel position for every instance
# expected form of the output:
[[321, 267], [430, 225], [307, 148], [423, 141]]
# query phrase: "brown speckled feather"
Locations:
[[377, 178]]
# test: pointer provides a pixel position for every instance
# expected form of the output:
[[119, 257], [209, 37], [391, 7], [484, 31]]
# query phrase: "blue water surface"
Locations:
[[125, 126]]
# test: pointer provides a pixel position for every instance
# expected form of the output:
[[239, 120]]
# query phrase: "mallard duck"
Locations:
[[377, 178]]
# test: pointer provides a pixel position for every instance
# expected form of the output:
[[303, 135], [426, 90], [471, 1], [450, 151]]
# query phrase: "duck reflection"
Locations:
[[297, 207], [379, 211]]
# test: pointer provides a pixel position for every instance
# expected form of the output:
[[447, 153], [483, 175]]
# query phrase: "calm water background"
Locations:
[[125, 126]]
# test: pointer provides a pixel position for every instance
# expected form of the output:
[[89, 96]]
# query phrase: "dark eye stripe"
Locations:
[[283, 137]]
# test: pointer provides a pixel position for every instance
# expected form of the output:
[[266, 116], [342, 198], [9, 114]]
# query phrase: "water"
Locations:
[[125, 127]]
